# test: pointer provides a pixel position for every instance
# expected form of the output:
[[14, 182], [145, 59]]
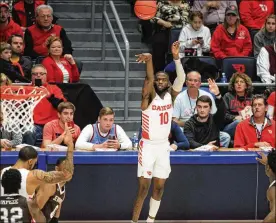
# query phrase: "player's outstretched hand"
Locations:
[[175, 50], [68, 139], [263, 159], [143, 57], [213, 87]]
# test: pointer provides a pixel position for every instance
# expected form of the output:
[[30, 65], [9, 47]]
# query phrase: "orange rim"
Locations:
[[21, 92]]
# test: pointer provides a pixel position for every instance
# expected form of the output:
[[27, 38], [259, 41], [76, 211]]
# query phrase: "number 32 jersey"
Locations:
[[156, 119], [14, 209]]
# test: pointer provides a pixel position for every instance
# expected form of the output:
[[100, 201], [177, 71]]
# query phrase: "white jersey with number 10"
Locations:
[[156, 119]]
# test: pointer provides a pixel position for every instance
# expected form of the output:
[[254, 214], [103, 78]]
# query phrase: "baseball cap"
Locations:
[[232, 9], [3, 4]]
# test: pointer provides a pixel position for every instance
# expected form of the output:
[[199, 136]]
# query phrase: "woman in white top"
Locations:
[[195, 36]]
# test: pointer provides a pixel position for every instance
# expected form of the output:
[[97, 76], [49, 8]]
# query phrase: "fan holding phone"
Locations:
[[194, 37], [55, 131], [104, 135]]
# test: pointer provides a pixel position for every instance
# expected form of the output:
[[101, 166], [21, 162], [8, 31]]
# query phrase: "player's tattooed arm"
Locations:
[[35, 211], [51, 177], [148, 91], [69, 162]]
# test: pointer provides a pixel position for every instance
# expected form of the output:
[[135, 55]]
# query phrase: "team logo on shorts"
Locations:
[[270, 131], [149, 173]]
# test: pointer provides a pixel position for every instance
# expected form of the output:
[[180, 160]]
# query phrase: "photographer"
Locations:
[[46, 110]]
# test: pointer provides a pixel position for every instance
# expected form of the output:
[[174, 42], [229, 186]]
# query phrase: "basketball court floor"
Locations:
[[171, 221]]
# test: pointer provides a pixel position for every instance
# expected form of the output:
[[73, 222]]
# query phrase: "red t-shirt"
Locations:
[[44, 111], [53, 130], [271, 101]]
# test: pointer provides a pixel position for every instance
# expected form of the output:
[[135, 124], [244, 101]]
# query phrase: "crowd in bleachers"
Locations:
[[36, 50], [235, 38]]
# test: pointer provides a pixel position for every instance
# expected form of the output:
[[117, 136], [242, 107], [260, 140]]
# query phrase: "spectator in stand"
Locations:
[[8, 139], [254, 13], [203, 128], [185, 104], [257, 131], [266, 64], [23, 12], [37, 34], [266, 36], [59, 69], [237, 99], [17, 46], [4, 80], [55, 130], [13, 71], [170, 14], [195, 35], [213, 11], [46, 110], [7, 26], [104, 134], [231, 38], [271, 111]]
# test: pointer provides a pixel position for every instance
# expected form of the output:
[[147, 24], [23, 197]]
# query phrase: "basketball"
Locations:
[[145, 10]]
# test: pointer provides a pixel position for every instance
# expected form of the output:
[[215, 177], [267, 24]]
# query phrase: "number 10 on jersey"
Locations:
[[164, 118]]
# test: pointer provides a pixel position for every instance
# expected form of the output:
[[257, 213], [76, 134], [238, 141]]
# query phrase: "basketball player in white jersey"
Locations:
[[270, 169], [154, 148], [32, 179]]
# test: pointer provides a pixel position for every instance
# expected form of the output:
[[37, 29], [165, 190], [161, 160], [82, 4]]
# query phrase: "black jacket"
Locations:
[[11, 72], [234, 104], [201, 133]]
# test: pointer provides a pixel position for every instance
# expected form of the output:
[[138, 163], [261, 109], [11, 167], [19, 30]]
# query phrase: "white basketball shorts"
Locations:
[[154, 159]]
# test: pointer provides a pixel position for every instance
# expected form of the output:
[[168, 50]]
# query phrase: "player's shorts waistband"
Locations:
[[155, 142]]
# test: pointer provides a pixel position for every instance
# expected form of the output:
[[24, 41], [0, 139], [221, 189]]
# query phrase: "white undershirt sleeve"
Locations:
[[84, 138], [180, 78], [123, 138]]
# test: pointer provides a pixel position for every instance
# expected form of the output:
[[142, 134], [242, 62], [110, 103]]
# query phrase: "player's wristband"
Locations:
[[217, 94], [54, 220]]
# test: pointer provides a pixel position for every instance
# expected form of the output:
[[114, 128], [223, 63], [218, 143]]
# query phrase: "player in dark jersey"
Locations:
[[270, 169], [49, 197], [14, 207]]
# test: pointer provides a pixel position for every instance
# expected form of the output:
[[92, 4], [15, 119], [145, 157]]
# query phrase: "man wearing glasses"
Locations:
[[46, 109], [37, 34], [185, 104]]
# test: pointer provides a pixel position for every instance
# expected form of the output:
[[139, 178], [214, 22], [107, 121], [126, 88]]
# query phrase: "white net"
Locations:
[[17, 105]]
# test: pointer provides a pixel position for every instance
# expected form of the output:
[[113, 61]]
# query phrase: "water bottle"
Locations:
[[135, 141], [223, 78]]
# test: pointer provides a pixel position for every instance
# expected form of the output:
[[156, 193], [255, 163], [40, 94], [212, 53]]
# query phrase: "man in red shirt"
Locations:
[[37, 34], [46, 110], [7, 26], [257, 131], [55, 130]]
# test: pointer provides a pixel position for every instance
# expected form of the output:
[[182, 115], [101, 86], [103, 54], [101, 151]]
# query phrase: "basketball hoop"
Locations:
[[17, 105]]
